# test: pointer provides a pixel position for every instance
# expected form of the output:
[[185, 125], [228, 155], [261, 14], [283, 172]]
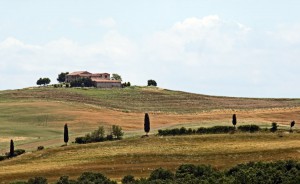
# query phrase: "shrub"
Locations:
[[109, 137], [128, 179], [65, 180], [201, 130], [151, 82], [274, 127], [19, 152], [161, 174], [90, 177], [37, 180], [117, 131], [3, 157], [249, 128], [40, 148], [82, 82], [80, 140]]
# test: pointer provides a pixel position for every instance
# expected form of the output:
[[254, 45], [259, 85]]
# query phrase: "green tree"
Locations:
[[128, 179], [39, 81], [234, 120], [98, 134], [117, 131], [147, 124], [43, 81], [82, 82], [62, 77], [116, 77], [37, 180], [274, 127], [12, 148], [152, 82], [66, 134]]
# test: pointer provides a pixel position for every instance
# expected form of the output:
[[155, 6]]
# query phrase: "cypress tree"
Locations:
[[66, 134], [147, 123], [234, 120], [12, 148], [292, 124]]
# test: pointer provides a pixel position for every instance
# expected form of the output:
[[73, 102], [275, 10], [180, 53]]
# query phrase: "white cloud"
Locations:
[[107, 22], [206, 55], [289, 34]]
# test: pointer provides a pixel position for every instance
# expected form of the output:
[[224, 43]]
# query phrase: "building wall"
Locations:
[[108, 84]]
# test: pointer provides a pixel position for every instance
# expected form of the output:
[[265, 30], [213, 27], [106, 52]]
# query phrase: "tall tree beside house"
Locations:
[[147, 124], [66, 134], [116, 76], [12, 148], [62, 77], [234, 120]]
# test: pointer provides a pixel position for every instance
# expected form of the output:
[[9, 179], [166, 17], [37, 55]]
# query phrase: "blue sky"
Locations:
[[229, 48]]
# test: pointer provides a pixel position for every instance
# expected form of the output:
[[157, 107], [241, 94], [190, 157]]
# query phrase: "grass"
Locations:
[[139, 156], [150, 99], [36, 116]]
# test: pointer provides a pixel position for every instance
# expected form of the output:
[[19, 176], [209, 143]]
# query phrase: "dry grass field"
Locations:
[[139, 156], [36, 116]]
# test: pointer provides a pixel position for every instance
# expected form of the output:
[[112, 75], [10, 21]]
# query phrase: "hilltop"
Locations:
[[142, 99]]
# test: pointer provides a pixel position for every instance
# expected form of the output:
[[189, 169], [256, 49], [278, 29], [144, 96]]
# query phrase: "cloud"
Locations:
[[107, 22], [204, 55], [287, 33]]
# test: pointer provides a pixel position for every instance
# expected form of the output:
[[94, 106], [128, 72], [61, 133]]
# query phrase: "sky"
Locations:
[[246, 48]]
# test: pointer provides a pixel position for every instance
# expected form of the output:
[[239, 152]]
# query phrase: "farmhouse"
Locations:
[[102, 80]]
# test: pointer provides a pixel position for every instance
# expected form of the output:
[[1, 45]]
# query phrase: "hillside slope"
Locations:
[[139, 156], [34, 117], [142, 99]]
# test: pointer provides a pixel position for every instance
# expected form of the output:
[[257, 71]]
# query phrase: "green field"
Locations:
[[35, 117]]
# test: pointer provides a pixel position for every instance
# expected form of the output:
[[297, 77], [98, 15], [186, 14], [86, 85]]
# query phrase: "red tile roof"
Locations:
[[105, 81], [80, 73]]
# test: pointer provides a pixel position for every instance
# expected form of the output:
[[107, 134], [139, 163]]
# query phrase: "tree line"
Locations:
[[279, 172]]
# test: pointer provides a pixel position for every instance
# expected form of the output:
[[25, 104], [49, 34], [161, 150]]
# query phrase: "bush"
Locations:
[[19, 152], [117, 131], [99, 135], [274, 127], [249, 128], [82, 82], [65, 180], [90, 177], [110, 137], [80, 140], [201, 130], [128, 179], [40, 148], [152, 83], [161, 174], [3, 158], [37, 180]]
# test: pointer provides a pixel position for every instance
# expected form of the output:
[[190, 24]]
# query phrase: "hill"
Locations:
[[35, 116]]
